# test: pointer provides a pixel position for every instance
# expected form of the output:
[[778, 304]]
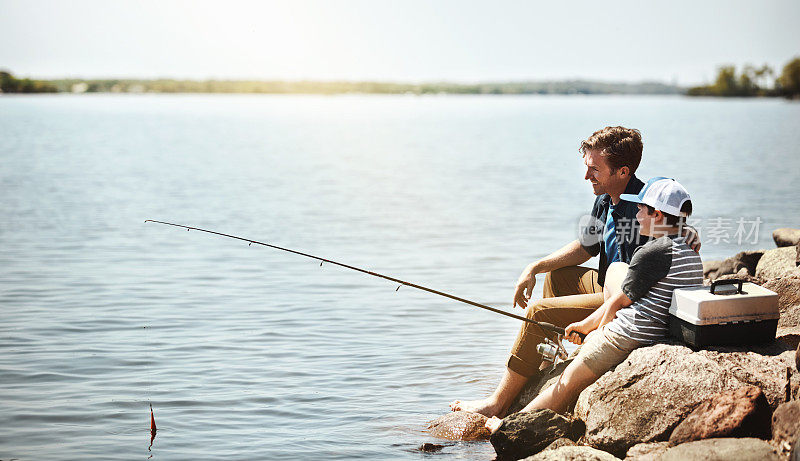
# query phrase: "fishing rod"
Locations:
[[544, 325]]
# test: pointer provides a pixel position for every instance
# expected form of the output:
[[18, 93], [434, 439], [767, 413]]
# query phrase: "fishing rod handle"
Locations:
[[558, 330]]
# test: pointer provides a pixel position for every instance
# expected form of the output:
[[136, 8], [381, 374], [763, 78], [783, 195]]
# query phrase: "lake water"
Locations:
[[251, 353]]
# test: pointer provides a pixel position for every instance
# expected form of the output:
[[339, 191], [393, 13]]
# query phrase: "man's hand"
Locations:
[[572, 330], [692, 237], [525, 284]]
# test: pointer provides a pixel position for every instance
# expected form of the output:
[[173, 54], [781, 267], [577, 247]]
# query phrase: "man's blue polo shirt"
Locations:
[[626, 229], [610, 237]]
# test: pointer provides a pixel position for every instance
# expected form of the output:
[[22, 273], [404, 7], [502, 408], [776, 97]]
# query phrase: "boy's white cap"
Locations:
[[663, 194]]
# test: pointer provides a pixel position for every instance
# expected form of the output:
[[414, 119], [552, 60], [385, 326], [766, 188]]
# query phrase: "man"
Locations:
[[637, 297], [571, 292]]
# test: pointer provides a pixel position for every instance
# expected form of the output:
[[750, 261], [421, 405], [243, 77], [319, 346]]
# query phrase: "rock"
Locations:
[[789, 317], [788, 290], [779, 262], [786, 426], [740, 413], [646, 451], [797, 258], [741, 275], [576, 453], [722, 450], [711, 267], [789, 335], [786, 237], [558, 443], [747, 260], [647, 395], [523, 434], [797, 358], [430, 447], [763, 366], [459, 425]]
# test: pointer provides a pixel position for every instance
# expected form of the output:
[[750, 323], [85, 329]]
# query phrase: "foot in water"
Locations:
[[485, 407], [493, 423]]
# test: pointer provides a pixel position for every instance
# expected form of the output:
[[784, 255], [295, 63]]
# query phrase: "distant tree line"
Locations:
[[9, 84], [753, 81], [343, 87], [317, 87]]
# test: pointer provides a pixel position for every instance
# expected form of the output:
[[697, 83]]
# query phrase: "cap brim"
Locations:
[[631, 198]]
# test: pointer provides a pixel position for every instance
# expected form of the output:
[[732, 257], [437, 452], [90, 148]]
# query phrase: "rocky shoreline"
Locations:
[[670, 402]]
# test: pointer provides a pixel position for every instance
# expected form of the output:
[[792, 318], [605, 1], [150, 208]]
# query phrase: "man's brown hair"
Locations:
[[619, 145]]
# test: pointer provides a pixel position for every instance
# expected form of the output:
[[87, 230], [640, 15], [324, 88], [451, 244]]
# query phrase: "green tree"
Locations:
[[726, 85], [789, 81], [747, 84], [8, 84]]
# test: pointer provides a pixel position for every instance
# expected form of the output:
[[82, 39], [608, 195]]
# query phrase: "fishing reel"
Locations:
[[552, 351]]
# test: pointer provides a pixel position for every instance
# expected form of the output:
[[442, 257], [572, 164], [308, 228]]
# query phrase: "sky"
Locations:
[[680, 41]]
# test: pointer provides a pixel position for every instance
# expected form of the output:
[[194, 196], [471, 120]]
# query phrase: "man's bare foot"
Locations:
[[493, 423], [485, 407]]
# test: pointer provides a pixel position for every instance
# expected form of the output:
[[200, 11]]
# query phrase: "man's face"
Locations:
[[598, 172]]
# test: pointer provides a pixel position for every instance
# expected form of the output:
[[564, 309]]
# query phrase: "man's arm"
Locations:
[[692, 237], [571, 254]]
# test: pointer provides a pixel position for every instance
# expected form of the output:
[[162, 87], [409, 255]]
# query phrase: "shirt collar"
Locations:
[[633, 187]]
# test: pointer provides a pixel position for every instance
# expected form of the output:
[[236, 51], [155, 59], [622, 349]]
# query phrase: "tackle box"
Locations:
[[722, 315]]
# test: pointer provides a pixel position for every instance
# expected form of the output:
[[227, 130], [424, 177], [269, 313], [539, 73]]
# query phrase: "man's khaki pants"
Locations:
[[570, 294]]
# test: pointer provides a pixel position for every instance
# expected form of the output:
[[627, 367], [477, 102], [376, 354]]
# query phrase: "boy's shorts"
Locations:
[[603, 350]]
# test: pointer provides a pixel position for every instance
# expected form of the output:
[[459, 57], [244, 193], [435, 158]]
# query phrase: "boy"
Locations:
[[637, 297]]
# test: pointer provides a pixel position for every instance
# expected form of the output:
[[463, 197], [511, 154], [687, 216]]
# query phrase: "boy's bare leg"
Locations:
[[496, 404], [569, 287], [559, 396]]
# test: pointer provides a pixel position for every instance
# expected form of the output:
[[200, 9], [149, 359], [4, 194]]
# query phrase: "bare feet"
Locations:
[[493, 423], [485, 407]]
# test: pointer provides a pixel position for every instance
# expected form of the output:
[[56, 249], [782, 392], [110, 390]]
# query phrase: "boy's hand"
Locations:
[[572, 330]]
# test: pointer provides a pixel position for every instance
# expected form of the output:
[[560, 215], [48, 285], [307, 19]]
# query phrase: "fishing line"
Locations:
[[544, 325]]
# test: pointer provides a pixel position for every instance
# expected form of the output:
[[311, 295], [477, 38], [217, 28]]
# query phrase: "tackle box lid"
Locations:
[[718, 304]]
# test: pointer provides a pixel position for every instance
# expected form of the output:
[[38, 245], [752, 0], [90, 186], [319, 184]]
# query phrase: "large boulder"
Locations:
[[743, 263], [762, 365], [646, 451], [740, 413], [779, 262], [524, 434], [788, 290], [722, 450], [645, 397], [459, 425], [786, 427], [575, 453], [786, 237], [789, 317]]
